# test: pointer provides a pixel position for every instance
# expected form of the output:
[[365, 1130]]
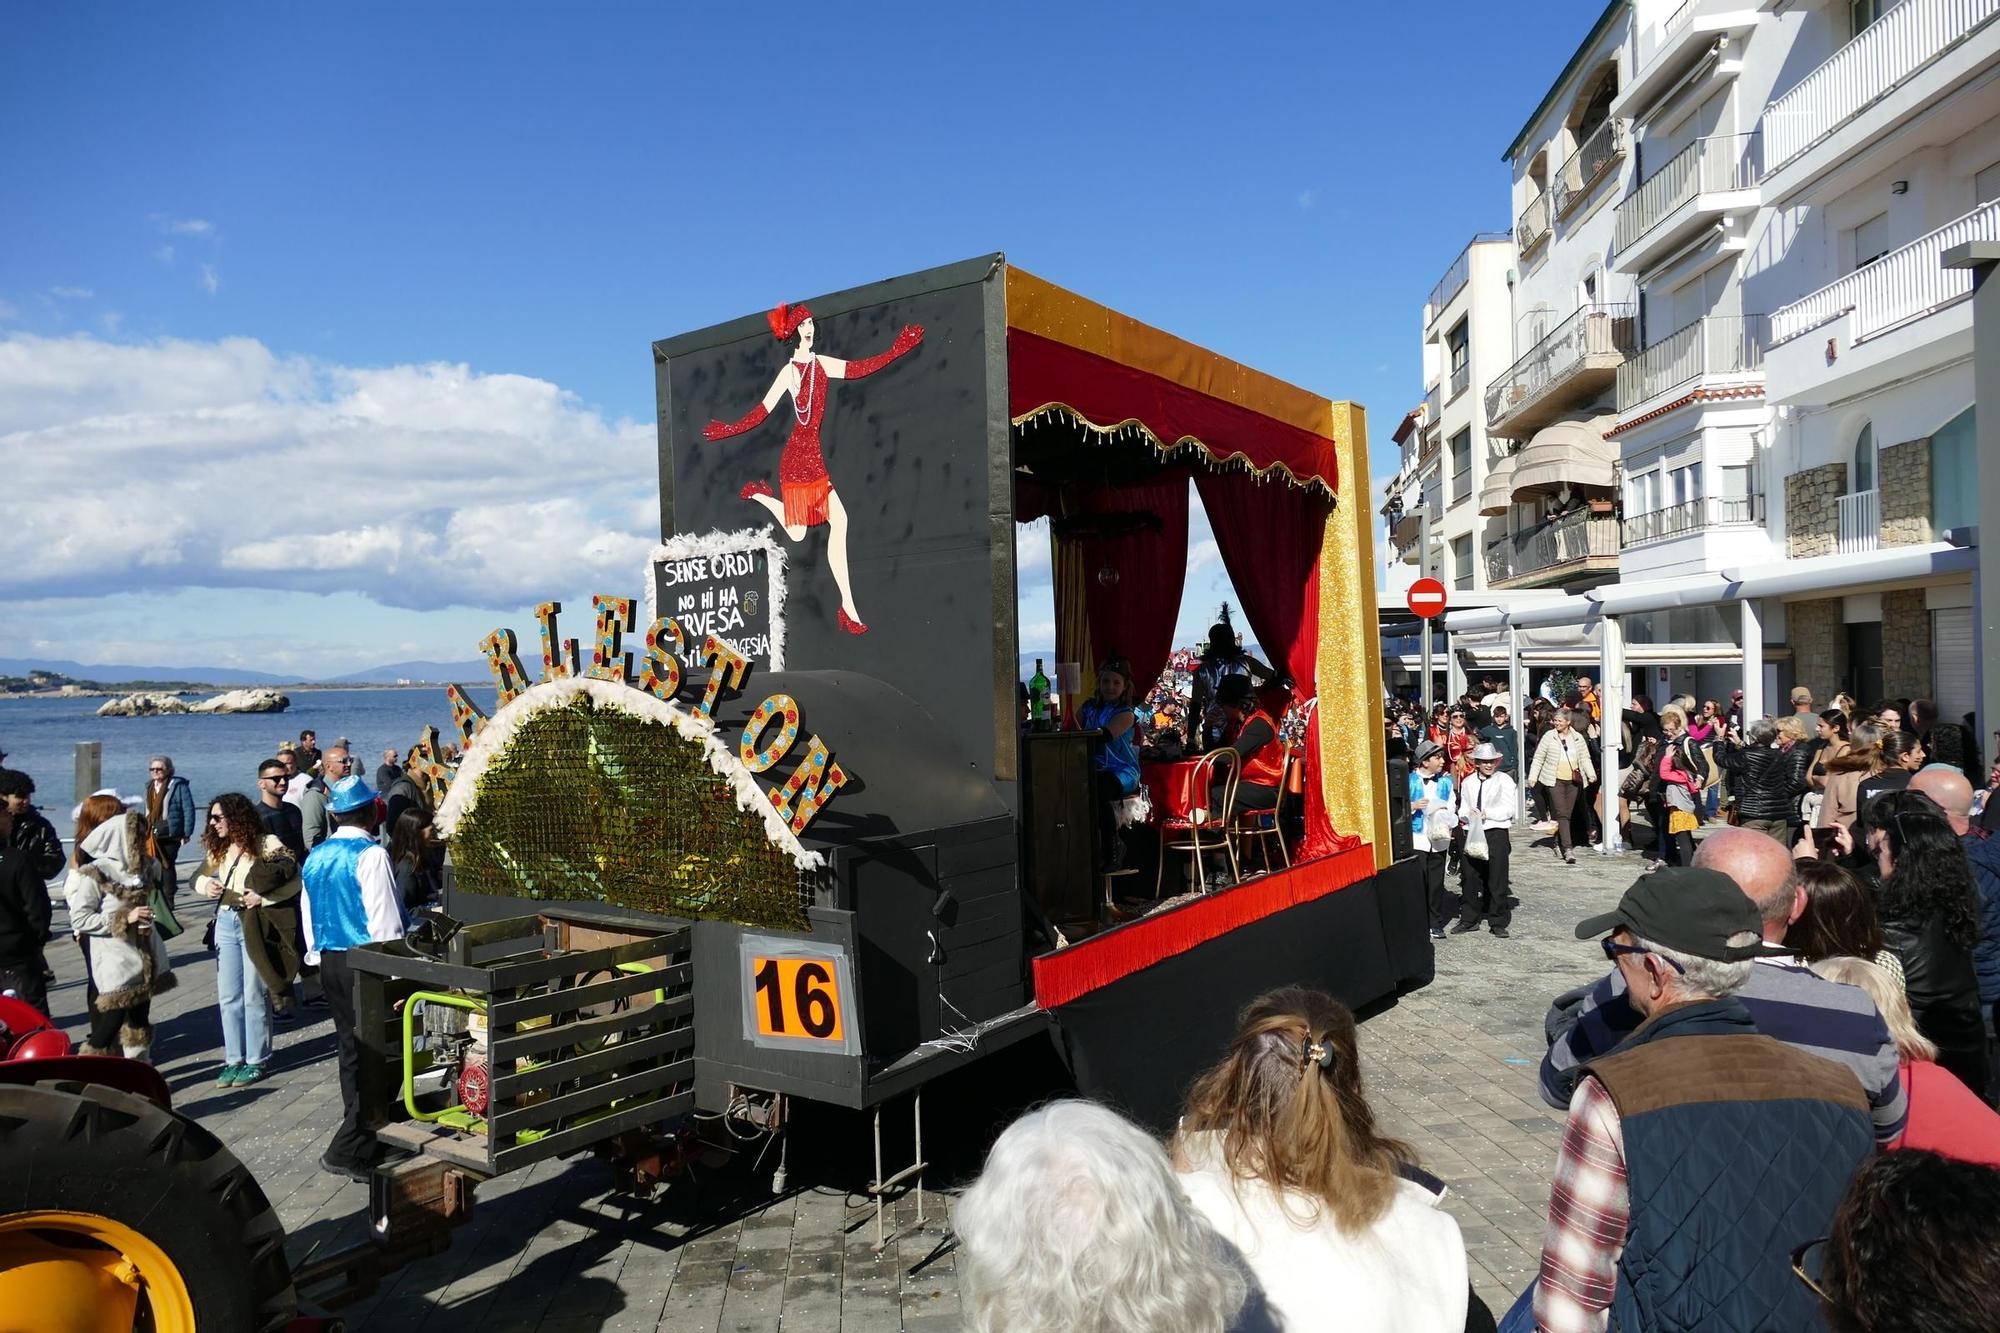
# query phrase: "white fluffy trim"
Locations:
[[688, 546], [499, 731]]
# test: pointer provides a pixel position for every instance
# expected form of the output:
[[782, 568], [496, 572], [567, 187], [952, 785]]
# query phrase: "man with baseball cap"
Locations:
[[1699, 1153], [350, 900], [1802, 700]]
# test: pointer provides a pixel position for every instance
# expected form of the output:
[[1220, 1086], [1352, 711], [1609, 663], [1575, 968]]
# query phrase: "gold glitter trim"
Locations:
[[1132, 426]]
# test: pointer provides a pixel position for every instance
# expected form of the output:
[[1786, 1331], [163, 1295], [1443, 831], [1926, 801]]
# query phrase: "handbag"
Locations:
[[1475, 829], [1639, 777]]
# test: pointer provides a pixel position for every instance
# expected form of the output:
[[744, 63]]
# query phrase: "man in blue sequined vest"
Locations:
[[1698, 1153], [350, 900]]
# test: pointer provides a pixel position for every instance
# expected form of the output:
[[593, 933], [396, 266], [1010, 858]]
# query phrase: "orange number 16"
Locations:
[[797, 997]]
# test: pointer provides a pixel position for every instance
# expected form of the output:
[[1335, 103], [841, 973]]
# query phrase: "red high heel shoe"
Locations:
[[753, 489], [850, 624]]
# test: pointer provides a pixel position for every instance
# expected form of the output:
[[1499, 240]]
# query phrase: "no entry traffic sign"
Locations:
[[1426, 598]]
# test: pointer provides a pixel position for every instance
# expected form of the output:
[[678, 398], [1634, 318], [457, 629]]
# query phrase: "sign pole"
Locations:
[[1424, 566]]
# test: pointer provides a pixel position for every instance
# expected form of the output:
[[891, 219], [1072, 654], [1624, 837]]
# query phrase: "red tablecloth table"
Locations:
[[1171, 782]]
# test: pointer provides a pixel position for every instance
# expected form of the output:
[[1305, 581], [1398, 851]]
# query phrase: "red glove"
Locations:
[[715, 430], [909, 336]]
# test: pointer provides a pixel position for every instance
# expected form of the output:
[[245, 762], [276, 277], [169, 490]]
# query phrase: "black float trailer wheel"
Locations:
[[81, 1162]]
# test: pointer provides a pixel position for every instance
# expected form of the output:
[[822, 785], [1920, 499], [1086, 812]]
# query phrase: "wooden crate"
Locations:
[[568, 1070]]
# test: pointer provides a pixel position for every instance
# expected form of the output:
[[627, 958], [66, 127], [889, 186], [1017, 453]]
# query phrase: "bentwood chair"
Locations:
[[1262, 825], [1202, 830]]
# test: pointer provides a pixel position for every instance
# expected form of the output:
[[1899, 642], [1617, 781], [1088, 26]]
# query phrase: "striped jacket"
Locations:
[[1792, 1003]]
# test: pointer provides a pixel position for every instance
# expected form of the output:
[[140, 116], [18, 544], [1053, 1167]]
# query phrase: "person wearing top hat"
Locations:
[[350, 899], [1222, 659], [1699, 1154], [1487, 807]]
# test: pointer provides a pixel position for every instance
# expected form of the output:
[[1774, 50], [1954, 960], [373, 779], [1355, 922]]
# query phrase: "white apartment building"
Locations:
[[1734, 211], [1445, 453]]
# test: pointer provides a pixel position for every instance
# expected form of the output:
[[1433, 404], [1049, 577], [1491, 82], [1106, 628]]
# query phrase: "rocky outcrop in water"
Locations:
[[159, 705], [244, 701]]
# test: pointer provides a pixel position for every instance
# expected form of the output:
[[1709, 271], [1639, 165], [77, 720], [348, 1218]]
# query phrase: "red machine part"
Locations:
[[27, 1034], [475, 1087]]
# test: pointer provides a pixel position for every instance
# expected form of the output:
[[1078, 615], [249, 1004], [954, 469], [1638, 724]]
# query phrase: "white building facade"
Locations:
[[1730, 313]]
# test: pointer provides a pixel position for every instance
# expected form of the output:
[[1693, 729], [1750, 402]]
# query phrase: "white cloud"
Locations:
[[71, 293], [186, 226], [111, 320], [211, 280], [165, 254], [222, 464], [9, 311]]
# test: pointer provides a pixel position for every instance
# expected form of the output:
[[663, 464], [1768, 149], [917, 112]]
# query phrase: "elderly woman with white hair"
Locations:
[[1077, 1224]]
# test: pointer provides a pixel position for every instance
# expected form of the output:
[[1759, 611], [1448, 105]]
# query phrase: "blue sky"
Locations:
[[243, 246]]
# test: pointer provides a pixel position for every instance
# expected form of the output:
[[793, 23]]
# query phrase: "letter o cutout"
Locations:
[[778, 714]]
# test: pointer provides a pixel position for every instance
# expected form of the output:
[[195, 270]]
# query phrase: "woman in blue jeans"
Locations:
[[257, 882]]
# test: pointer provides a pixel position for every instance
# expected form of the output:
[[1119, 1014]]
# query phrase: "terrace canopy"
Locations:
[[1112, 418]]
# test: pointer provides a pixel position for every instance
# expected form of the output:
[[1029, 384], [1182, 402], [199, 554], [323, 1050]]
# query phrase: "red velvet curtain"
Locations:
[[1132, 615], [1269, 537]]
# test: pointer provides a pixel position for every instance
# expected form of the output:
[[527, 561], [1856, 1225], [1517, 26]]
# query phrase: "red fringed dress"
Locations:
[[802, 475]]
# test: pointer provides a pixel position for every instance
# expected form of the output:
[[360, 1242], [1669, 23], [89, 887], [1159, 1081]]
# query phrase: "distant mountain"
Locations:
[[437, 673], [111, 673], [119, 673]]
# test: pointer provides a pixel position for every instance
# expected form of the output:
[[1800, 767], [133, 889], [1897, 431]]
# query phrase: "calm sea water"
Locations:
[[214, 753]]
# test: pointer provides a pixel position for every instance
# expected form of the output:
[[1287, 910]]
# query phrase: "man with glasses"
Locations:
[[1788, 1002], [1699, 1152], [169, 814]]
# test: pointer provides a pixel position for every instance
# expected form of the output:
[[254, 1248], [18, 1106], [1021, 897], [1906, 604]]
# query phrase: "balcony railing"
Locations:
[[1433, 403], [1461, 375], [1901, 285], [1714, 345], [1860, 522], [1651, 40], [1882, 55], [1533, 228], [1594, 330], [1718, 163], [1712, 511], [1596, 156], [1456, 276], [1553, 546]]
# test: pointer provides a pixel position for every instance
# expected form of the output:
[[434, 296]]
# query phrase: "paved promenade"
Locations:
[[1451, 1069]]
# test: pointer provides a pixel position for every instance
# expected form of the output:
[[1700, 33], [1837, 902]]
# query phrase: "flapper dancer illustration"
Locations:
[[809, 497]]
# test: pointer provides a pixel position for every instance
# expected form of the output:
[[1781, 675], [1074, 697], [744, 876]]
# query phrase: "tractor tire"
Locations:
[[82, 1148]]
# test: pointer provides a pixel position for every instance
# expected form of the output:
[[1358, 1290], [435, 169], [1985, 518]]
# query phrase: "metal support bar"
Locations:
[[1753, 660], [1611, 687], [1424, 568], [879, 1187]]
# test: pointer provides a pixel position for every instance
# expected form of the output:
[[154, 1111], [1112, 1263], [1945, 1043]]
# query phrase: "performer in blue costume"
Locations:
[[350, 900]]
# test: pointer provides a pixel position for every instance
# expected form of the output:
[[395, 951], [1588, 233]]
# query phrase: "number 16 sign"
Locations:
[[797, 995]]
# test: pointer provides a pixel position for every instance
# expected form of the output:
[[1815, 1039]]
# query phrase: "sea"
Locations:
[[215, 753]]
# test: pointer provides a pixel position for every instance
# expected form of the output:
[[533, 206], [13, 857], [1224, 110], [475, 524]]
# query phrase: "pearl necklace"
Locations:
[[802, 400]]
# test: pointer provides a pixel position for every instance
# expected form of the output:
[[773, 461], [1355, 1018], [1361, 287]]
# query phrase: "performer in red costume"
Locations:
[[809, 496]]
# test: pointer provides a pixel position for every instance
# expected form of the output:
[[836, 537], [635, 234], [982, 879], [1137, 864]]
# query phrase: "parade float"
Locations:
[[774, 830]]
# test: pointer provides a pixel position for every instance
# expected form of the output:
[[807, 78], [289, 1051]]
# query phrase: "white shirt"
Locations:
[[379, 898], [1494, 798], [1405, 1274]]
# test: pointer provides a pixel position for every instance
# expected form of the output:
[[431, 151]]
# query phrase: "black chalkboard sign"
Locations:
[[725, 585]]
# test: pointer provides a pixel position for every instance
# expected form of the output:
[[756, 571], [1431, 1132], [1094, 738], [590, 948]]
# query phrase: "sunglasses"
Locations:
[[1613, 949], [217, 818], [1799, 1267]]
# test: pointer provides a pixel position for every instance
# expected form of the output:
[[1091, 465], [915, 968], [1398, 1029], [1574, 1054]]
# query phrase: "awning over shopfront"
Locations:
[[1497, 495], [1569, 453]]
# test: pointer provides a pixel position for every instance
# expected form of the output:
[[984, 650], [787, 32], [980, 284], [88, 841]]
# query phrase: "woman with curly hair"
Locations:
[[256, 930], [1280, 1151], [1930, 920], [1915, 1246]]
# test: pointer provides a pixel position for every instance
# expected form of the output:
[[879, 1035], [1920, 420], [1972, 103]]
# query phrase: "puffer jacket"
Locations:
[[1983, 853], [1766, 781]]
